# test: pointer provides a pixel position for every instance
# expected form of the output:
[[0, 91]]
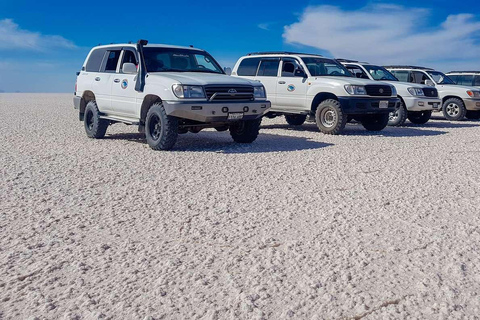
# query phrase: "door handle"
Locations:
[[281, 82], [116, 80], [97, 79]]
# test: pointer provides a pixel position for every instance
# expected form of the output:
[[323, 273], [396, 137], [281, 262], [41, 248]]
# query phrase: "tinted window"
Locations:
[[248, 67], [268, 68], [454, 78], [380, 73], [288, 68], [465, 80], [357, 72], [129, 57], [159, 59], [325, 67], [477, 81], [419, 77], [402, 75], [95, 60], [112, 61]]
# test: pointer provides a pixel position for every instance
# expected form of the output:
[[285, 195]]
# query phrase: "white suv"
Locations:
[[165, 90], [416, 101], [301, 85], [465, 78], [458, 102]]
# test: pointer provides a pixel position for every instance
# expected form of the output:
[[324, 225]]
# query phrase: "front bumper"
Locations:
[[367, 105], [76, 102], [422, 104], [206, 111], [472, 104]]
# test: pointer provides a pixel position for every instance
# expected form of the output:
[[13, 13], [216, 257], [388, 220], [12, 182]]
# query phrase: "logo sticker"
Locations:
[[291, 88], [124, 84]]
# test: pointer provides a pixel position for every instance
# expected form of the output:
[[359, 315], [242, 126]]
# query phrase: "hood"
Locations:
[[202, 79]]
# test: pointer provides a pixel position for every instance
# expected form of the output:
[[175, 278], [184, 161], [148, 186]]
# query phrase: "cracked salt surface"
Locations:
[[298, 225]]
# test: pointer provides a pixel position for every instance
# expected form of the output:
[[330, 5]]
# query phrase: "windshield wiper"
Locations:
[[205, 71]]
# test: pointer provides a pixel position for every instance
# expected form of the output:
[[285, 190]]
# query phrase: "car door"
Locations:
[[123, 87], [291, 89], [102, 85], [267, 74]]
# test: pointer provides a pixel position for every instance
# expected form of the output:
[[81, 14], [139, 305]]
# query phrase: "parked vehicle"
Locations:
[[302, 86], [416, 101], [165, 90], [465, 78], [458, 102]]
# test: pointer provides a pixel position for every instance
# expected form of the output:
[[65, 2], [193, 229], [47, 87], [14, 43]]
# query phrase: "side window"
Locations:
[[466, 80], [268, 68], [357, 72], [454, 78], [419, 77], [248, 67], [95, 60], [289, 67], [402, 75], [129, 57], [112, 60], [476, 82]]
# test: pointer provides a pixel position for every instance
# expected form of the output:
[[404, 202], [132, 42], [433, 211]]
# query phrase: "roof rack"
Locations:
[[407, 67], [281, 52], [464, 72], [347, 60]]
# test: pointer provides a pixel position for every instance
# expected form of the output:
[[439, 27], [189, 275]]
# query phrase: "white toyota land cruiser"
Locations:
[[458, 101], [301, 85], [416, 101], [165, 90]]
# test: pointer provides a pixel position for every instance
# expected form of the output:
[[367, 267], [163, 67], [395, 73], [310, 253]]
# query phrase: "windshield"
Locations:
[[179, 60], [440, 78], [325, 67], [380, 73]]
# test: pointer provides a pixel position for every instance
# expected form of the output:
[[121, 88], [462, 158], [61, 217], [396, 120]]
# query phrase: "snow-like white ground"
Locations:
[[298, 225]]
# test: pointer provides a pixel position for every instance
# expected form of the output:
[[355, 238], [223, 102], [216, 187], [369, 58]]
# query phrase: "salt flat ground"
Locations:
[[298, 225]]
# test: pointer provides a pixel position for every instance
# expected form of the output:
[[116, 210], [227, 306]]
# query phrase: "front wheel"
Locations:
[[398, 117], [330, 118], [245, 131], [375, 122], [161, 130], [94, 126], [454, 109], [419, 117], [295, 119]]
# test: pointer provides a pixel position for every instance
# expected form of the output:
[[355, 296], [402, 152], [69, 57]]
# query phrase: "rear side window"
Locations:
[[112, 60], [477, 81], [466, 80], [402, 75], [248, 67], [454, 78], [95, 60], [268, 68]]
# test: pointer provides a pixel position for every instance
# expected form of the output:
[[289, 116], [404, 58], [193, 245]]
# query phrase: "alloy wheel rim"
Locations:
[[453, 109], [155, 127], [393, 115]]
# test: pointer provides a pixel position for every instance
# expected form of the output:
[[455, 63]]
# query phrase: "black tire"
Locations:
[[329, 117], [222, 128], [161, 130], [295, 119], [271, 115], [419, 117], [245, 131], [454, 109], [94, 126], [472, 115], [375, 122], [398, 117]]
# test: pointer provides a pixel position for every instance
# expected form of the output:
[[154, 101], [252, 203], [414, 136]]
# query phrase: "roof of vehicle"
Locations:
[[463, 72], [283, 53], [153, 45], [350, 61], [407, 67]]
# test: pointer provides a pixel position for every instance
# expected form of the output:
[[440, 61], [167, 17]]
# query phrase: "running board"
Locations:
[[118, 119]]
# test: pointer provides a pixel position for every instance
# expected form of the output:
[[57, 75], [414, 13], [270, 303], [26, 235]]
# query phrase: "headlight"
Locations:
[[355, 90], [394, 91], [474, 94], [188, 92], [416, 91], [259, 92]]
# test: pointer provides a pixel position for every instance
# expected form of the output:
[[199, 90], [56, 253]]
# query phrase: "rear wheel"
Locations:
[[375, 122], [94, 126], [330, 118], [161, 130], [419, 117], [245, 131], [295, 119], [473, 115], [454, 109], [398, 117]]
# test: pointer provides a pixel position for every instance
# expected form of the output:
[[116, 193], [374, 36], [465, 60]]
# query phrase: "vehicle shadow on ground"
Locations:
[[353, 129], [445, 124], [221, 142]]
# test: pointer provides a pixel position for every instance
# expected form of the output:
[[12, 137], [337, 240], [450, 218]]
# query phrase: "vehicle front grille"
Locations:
[[430, 92], [378, 90], [215, 93]]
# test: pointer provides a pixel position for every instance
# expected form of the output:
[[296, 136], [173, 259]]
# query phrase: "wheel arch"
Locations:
[[319, 98], [452, 97], [86, 98], [148, 101]]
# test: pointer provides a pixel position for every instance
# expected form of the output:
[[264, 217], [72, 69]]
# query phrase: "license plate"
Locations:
[[383, 104], [235, 116]]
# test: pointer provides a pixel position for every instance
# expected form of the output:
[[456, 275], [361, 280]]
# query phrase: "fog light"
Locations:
[[245, 109], [478, 104], [224, 109], [421, 104]]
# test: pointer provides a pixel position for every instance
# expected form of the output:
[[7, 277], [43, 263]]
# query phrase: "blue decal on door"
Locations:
[[291, 88], [124, 84]]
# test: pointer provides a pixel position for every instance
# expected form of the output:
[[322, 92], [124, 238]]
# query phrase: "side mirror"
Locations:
[[129, 68], [300, 73], [228, 71], [429, 83]]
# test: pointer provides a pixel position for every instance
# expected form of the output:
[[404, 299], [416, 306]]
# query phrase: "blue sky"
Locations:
[[43, 45]]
